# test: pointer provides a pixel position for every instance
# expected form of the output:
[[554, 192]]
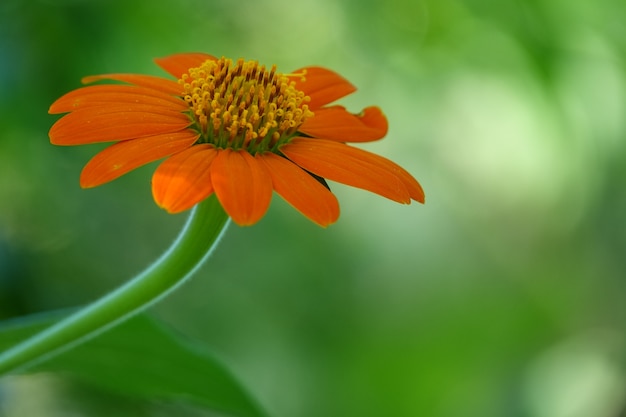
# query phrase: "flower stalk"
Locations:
[[199, 237]]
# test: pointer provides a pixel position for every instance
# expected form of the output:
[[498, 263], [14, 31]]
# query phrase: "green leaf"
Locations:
[[142, 358]]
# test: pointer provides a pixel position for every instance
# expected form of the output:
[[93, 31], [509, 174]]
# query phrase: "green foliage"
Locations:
[[144, 359]]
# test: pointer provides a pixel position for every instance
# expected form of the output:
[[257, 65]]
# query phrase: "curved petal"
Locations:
[[150, 81], [242, 185], [335, 123], [122, 157], [179, 64], [184, 179], [322, 85], [114, 123], [348, 165], [99, 95], [412, 185], [301, 190]]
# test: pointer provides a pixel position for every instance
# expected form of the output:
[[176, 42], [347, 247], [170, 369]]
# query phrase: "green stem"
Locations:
[[199, 236]]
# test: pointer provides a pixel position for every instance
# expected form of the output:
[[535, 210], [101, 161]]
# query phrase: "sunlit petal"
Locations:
[[335, 123], [301, 190], [149, 81], [107, 95], [109, 124], [184, 179], [348, 165], [322, 85], [242, 185], [412, 185], [122, 157]]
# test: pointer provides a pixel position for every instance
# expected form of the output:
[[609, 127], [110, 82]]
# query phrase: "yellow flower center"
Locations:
[[244, 106]]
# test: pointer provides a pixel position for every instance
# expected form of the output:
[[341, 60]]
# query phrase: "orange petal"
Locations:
[[179, 64], [149, 81], [322, 85], [242, 185], [412, 185], [335, 123], [113, 123], [348, 165], [184, 179], [122, 157], [301, 190], [102, 95]]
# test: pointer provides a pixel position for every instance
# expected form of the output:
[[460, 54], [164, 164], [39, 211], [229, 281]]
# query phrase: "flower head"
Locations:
[[236, 129]]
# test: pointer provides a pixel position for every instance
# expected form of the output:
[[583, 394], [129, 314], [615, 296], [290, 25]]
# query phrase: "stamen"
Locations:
[[244, 106]]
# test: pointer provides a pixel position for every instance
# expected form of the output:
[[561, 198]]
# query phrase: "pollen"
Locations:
[[243, 105]]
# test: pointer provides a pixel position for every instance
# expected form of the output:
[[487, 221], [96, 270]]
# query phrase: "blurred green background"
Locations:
[[503, 296]]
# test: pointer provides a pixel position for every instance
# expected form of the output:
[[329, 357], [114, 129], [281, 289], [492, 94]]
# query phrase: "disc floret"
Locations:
[[244, 106]]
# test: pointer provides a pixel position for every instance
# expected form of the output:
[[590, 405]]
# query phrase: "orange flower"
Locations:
[[236, 129]]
